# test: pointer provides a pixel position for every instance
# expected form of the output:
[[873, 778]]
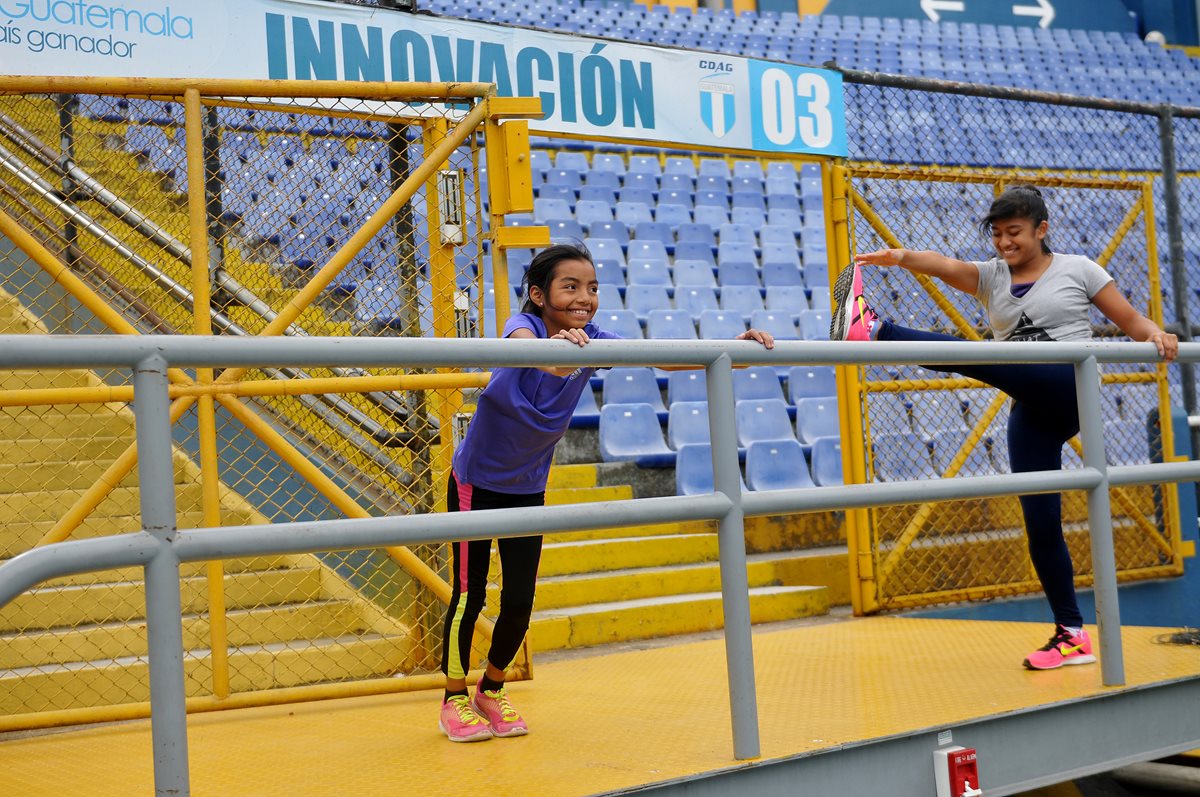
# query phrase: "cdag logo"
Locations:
[[717, 107]]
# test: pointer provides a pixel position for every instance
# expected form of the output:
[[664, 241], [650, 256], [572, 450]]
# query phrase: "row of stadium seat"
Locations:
[[770, 465]]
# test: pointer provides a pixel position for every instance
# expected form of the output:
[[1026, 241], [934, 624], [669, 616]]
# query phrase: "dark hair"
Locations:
[[1017, 202], [541, 271]]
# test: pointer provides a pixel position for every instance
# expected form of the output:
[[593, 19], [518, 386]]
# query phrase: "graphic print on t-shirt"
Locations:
[[1026, 331]]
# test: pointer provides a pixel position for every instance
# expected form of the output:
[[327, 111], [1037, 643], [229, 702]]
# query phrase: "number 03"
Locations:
[[780, 119]]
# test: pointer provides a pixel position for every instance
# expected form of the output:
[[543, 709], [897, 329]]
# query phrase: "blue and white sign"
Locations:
[[587, 86], [1084, 14]]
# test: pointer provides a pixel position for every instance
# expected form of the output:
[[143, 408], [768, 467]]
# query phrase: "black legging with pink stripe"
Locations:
[[519, 557]]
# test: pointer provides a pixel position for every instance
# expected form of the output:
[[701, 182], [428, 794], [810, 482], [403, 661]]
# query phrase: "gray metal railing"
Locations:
[[160, 548]]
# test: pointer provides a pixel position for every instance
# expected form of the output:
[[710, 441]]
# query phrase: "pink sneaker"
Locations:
[[501, 717], [460, 723], [853, 318], [1061, 650]]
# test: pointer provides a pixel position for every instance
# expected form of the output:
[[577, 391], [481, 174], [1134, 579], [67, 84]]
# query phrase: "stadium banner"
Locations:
[[590, 87]]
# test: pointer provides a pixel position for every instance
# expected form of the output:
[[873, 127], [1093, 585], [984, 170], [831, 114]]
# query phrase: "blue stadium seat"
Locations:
[[814, 325], [755, 217], [786, 218], [605, 249], [667, 196], [756, 382], [714, 167], [632, 213], [936, 412], [827, 461], [636, 193], [565, 231], [694, 299], [655, 231], [609, 163], [647, 249], [737, 272], [633, 386], [902, 456], [711, 215], [590, 211], [643, 299], [744, 299], [721, 324], [776, 465], [613, 230], [610, 297], [774, 234], [631, 432], [587, 411], [947, 443], [546, 210], [694, 250], [781, 274], [695, 232], [787, 298], [815, 418], [576, 161], [673, 216], [620, 322], [592, 193], [693, 469], [679, 165], [762, 419], [608, 272], [810, 381], [778, 322], [694, 273], [601, 178], [743, 233], [643, 164], [818, 298], [670, 324], [643, 271], [747, 185], [712, 182], [676, 183], [687, 422], [745, 168], [686, 385]]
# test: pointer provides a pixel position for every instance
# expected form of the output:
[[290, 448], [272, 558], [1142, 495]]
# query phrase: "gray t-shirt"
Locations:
[[1054, 308]]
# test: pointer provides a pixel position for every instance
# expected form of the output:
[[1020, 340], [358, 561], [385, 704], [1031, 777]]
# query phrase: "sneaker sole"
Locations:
[[840, 322], [511, 734], [1064, 663], [479, 737]]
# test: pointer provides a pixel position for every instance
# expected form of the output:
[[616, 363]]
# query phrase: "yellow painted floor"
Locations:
[[602, 722]]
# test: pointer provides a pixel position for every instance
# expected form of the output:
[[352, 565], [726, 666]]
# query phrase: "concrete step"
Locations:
[[52, 475], [564, 476], [823, 567], [19, 536], [682, 527], [19, 423], [645, 618], [251, 668], [244, 627], [590, 556], [582, 495], [74, 605]]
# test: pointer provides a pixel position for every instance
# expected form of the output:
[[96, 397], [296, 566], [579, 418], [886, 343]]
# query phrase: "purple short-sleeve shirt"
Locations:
[[520, 417]]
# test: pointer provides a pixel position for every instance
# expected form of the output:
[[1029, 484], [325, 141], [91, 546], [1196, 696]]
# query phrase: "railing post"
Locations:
[[164, 627], [1104, 561], [731, 539]]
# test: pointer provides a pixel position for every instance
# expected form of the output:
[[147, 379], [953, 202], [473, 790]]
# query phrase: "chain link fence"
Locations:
[[101, 183], [925, 168]]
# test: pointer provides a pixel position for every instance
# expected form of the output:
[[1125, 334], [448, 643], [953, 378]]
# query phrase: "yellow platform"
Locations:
[[614, 720]]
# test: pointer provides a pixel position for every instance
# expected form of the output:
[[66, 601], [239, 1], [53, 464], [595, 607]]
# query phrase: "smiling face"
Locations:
[[1018, 240], [572, 297]]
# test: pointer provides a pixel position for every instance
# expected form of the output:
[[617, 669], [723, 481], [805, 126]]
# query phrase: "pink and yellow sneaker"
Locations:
[[460, 723], [1062, 649], [493, 706], [853, 318]]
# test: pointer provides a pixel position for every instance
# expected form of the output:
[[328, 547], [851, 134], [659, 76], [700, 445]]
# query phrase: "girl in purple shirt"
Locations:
[[504, 461]]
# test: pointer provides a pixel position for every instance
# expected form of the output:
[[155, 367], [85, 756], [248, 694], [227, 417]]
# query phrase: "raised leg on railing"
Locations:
[[164, 629]]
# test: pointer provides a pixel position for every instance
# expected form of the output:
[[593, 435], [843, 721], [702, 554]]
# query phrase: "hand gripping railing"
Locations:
[[160, 547]]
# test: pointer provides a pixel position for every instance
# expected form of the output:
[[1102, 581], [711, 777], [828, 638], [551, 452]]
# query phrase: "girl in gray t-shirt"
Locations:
[[1030, 293]]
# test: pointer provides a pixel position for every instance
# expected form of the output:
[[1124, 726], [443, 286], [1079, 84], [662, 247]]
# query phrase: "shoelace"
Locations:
[[462, 706], [507, 712]]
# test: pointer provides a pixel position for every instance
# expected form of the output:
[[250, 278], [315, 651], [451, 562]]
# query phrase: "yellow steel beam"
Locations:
[[216, 87], [207, 423], [863, 586], [1122, 230], [101, 394]]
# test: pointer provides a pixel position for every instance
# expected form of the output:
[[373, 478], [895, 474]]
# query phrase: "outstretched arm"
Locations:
[[1118, 310], [955, 273]]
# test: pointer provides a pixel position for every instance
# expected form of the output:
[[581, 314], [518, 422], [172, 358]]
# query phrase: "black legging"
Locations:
[[469, 562], [1044, 416]]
